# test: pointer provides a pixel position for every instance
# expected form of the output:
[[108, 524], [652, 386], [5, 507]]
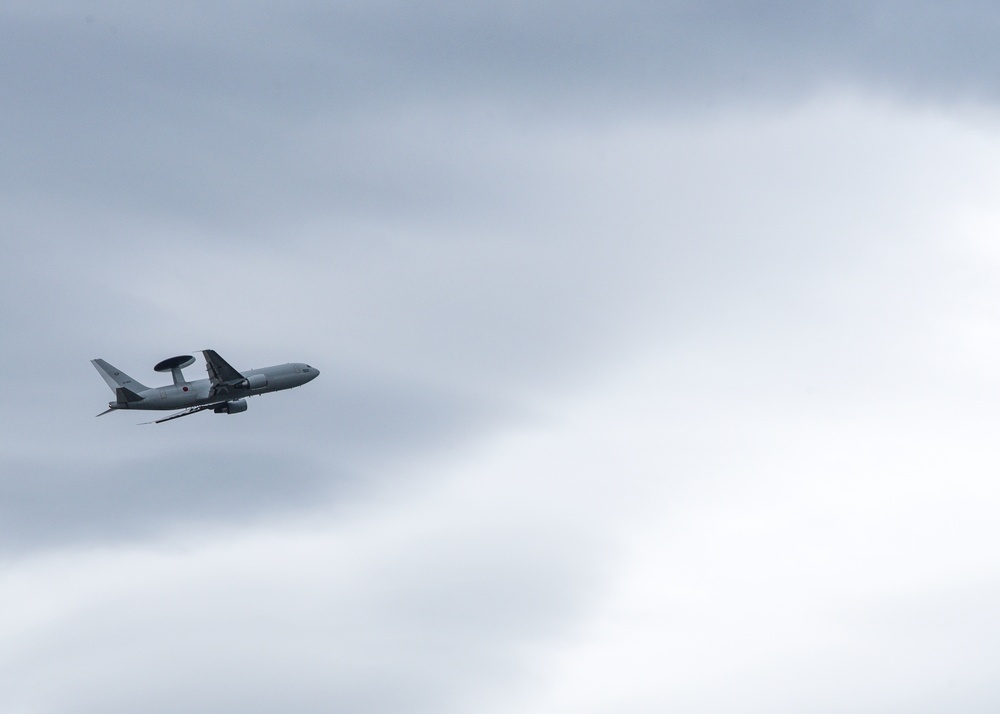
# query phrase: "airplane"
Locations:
[[224, 392]]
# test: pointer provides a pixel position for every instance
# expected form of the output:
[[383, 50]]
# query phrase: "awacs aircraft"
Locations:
[[224, 392]]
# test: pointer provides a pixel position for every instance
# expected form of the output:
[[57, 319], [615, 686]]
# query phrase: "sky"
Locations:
[[658, 349]]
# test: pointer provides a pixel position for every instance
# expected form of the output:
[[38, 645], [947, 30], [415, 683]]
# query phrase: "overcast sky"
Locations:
[[659, 348]]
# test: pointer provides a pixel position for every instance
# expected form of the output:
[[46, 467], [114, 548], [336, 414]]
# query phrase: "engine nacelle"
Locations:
[[234, 407], [255, 381]]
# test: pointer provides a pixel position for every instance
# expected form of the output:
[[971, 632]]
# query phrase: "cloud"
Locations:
[[76, 504], [657, 347], [206, 117], [403, 602]]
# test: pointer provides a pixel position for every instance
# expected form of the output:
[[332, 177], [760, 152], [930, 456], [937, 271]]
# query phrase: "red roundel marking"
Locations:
[[185, 389]]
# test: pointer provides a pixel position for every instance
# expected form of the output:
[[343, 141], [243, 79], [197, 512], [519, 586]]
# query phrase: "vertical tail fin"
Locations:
[[117, 379]]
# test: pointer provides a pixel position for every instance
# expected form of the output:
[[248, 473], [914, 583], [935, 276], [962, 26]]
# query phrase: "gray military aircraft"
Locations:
[[224, 392]]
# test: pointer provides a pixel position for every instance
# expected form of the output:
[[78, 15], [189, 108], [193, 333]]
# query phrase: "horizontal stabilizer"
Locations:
[[124, 395]]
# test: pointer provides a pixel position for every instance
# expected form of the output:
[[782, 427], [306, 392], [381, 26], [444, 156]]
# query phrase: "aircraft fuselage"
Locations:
[[200, 391]]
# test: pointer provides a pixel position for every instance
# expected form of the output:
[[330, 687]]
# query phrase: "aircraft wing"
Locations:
[[220, 372], [186, 412]]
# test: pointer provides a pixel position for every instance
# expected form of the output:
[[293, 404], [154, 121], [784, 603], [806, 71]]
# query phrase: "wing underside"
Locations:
[[186, 412]]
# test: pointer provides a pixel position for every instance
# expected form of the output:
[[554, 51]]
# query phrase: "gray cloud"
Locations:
[[82, 503], [639, 324], [212, 117]]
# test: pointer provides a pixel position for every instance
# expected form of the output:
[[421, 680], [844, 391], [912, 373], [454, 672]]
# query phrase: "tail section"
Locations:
[[120, 383]]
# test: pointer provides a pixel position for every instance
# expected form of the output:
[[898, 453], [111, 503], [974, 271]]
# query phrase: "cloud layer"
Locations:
[[658, 351]]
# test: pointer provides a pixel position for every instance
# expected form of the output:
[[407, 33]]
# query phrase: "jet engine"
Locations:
[[234, 407], [255, 381]]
